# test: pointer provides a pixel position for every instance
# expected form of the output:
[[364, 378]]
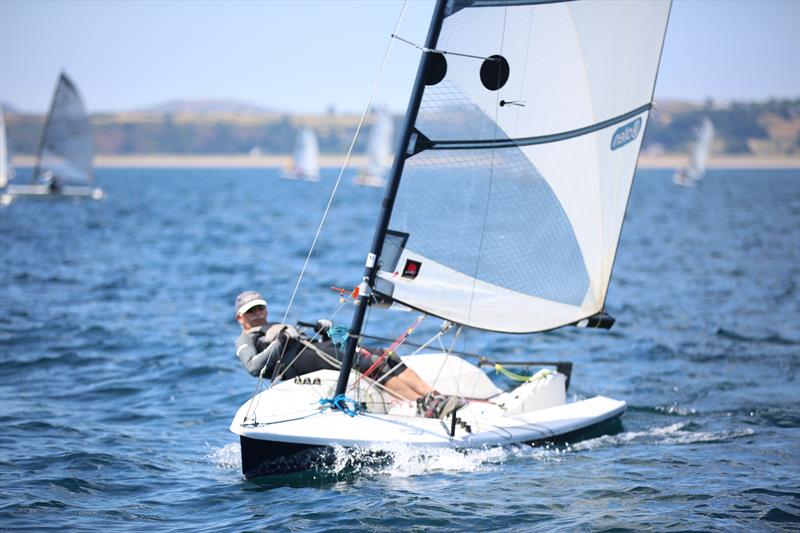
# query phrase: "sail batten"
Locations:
[[542, 139], [511, 200]]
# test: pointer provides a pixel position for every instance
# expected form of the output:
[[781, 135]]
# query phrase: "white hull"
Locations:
[[299, 176], [286, 421], [369, 180], [42, 191], [682, 179]]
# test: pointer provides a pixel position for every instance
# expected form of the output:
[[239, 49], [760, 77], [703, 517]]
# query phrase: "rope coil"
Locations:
[[339, 336], [340, 402], [543, 373]]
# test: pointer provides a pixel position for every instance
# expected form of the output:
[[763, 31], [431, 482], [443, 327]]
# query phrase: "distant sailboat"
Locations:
[[63, 165], [305, 163], [379, 152], [6, 169], [697, 164]]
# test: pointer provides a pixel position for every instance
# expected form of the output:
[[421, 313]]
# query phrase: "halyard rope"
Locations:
[[346, 161]]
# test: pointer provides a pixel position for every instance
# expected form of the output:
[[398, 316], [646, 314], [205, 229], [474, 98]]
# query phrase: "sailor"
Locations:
[[275, 350], [51, 183]]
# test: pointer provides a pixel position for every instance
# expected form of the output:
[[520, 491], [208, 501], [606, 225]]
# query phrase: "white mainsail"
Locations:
[[379, 151], [66, 149], [702, 147], [511, 202], [306, 156], [6, 170]]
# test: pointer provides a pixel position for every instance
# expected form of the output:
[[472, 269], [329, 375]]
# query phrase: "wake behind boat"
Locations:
[[63, 167], [503, 212]]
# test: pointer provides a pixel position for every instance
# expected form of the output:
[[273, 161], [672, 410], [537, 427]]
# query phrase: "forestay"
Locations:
[[66, 148], [513, 193]]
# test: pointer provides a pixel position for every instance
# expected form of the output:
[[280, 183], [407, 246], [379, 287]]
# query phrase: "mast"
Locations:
[[371, 269]]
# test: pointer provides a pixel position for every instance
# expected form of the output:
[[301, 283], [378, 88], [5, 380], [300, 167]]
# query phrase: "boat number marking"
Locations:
[[307, 381]]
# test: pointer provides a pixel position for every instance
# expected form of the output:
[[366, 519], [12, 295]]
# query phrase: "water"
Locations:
[[118, 379]]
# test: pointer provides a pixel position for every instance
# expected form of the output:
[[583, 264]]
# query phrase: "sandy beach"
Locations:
[[278, 161]]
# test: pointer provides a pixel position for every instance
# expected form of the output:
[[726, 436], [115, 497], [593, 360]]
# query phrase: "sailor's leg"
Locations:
[[394, 368], [401, 389], [414, 382]]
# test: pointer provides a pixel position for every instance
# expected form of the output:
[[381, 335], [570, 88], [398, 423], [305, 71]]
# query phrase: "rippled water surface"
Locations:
[[118, 378]]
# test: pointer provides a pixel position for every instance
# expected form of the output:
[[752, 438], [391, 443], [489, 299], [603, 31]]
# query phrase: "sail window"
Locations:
[[393, 246], [494, 72], [435, 69], [411, 270]]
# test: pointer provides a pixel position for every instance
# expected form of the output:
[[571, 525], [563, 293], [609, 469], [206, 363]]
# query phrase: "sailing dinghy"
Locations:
[[63, 166], [503, 212], [379, 152], [305, 162]]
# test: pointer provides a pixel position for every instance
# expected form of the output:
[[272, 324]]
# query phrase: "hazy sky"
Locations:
[[304, 55]]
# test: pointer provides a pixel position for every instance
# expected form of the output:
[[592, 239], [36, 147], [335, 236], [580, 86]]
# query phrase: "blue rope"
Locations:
[[339, 336], [340, 402]]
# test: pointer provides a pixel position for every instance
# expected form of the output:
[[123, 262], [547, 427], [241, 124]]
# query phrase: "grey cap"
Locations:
[[247, 300]]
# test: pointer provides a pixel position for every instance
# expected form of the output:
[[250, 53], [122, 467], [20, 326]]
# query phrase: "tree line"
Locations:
[[740, 128]]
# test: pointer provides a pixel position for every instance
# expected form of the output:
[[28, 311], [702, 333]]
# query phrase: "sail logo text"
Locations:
[[626, 133]]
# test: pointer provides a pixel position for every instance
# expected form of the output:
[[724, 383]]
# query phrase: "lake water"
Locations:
[[118, 379]]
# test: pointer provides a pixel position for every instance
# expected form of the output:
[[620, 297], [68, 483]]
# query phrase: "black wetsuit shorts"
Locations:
[[390, 366]]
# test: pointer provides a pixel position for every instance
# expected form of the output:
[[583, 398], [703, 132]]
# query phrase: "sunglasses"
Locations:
[[255, 310]]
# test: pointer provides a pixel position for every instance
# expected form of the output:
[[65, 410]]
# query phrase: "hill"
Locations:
[[764, 129], [214, 127]]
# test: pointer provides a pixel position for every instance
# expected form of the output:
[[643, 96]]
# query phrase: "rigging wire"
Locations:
[[443, 52], [346, 163]]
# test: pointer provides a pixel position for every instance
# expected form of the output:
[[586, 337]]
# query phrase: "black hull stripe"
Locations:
[[527, 141]]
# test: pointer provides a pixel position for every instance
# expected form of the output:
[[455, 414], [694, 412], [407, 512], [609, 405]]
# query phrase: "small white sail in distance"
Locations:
[[306, 156], [6, 170], [702, 147], [379, 151]]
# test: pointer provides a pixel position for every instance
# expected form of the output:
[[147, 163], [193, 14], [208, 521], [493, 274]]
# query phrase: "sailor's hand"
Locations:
[[273, 332], [323, 325], [291, 332]]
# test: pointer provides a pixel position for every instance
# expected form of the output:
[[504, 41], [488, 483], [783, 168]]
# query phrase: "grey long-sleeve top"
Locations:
[[262, 346]]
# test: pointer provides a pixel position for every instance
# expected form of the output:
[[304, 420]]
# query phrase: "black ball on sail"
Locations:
[[494, 72], [435, 69]]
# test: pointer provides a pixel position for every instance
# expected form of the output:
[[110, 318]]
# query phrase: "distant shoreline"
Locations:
[[665, 161]]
